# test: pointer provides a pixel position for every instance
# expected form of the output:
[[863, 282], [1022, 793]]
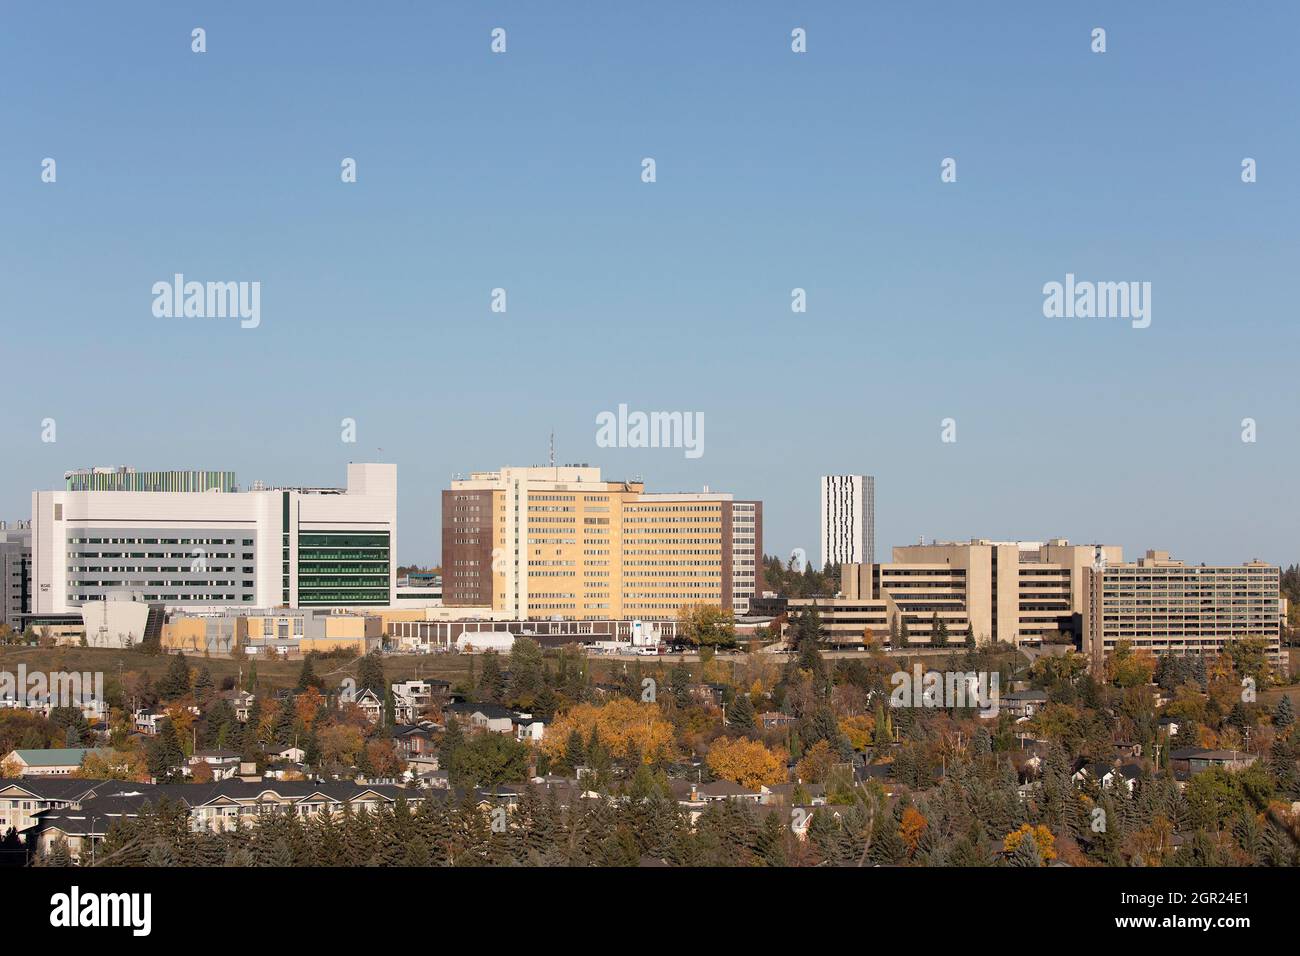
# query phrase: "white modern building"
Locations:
[[848, 519], [296, 547]]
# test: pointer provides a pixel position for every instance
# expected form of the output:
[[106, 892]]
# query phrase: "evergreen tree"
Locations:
[[370, 674], [175, 683], [491, 685], [526, 672], [679, 684], [575, 753], [1284, 714], [307, 676], [204, 687], [938, 631], [771, 840], [1026, 854], [453, 739], [741, 715]]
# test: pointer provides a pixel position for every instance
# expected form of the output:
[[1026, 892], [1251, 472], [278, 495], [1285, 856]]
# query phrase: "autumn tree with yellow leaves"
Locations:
[[623, 726], [746, 762], [1040, 834]]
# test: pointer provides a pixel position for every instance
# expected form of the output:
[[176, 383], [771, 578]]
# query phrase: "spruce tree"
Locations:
[[307, 676], [175, 683], [741, 715], [1026, 854], [491, 685], [370, 674], [1284, 714]]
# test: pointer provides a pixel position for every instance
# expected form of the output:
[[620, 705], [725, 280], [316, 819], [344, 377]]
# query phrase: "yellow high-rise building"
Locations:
[[558, 541]]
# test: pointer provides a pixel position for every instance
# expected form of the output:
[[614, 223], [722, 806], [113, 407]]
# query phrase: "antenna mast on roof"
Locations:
[[552, 449]]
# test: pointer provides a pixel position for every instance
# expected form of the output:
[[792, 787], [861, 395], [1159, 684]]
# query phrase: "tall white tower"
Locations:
[[848, 519]]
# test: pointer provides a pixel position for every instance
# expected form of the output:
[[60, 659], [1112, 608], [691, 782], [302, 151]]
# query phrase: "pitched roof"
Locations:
[[55, 756], [1222, 755], [490, 711], [726, 788], [66, 788]]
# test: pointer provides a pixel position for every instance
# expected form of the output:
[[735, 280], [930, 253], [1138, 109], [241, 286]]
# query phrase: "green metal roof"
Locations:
[[56, 757]]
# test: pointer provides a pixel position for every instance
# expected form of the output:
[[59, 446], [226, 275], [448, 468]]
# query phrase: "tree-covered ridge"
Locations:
[[788, 581], [667, 762]]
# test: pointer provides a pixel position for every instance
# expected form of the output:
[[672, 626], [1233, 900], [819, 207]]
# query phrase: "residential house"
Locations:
[[241, 703], [414, 742], [1225, 759], [480, 717], [293, 754], [370, 705], [412, 698], [1023, 704], [529, 728], [770, 719], [711, 694], [147, 721], [223, 763], [783, 794]]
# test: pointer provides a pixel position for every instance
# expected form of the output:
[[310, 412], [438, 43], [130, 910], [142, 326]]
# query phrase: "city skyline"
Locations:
[[406, 556]]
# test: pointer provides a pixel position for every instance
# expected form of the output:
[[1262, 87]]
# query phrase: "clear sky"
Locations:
[[775, 170]]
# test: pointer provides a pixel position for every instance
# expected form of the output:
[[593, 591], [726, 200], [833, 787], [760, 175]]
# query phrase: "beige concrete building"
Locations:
[[1017, 592], [1168, 607], [280, 632], [543, 542]]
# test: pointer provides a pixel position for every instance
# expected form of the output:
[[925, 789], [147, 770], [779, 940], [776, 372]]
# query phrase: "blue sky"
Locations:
[[775, 171]]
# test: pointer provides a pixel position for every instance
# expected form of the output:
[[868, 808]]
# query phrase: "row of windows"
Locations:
[[247, 542], [175, 598]]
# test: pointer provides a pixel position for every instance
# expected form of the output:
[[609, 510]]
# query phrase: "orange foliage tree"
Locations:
[[1041, 835], [621, 724], [746, 762]]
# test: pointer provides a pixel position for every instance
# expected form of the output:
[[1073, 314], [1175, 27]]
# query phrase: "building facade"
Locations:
[[273, 632], [561, 542], [309, 547], [1016, 592], [1168, 607], [848, 519], [15, 572]]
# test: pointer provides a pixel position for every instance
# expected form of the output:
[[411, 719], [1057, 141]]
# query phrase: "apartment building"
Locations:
[[848, 508], [561, 542], [82, 813], [217, 547], [1168, 607], [1017, 592], [15, 572]]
